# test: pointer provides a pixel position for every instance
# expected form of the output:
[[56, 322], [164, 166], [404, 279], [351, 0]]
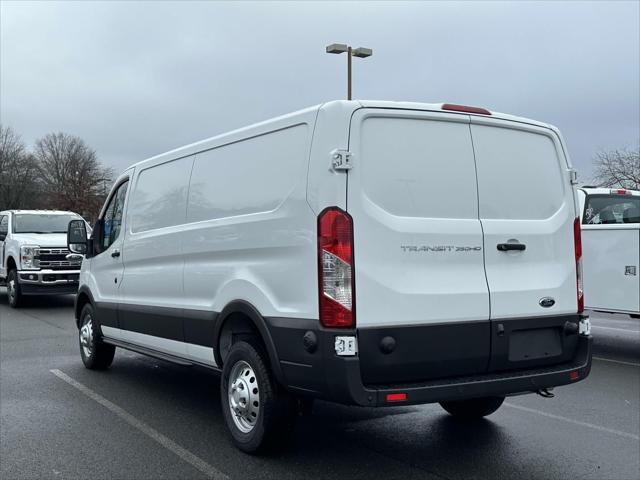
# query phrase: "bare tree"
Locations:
[[71, 175], [618, 168], [18, 172]]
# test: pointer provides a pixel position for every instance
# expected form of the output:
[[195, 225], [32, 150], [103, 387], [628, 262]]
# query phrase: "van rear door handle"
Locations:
[[115, 253], [505, 247]]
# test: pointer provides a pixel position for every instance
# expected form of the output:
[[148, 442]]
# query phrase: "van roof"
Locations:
[[437, 107], [344, 106]]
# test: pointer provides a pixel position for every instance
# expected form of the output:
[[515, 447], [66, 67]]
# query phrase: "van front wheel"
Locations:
[[473, 408], [96, 355], [257, 412]]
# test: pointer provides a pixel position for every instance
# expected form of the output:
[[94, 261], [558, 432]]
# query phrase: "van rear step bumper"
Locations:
[[322, 374], [346, 385], [497, 384]]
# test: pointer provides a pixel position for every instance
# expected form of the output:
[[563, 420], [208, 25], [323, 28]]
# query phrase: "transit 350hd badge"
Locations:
[[438, 248]]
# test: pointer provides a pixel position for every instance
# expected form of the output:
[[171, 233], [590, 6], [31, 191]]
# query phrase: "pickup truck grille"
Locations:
[[55, 259]]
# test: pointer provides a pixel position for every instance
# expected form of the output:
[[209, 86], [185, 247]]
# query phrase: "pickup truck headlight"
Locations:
[[28, 260]]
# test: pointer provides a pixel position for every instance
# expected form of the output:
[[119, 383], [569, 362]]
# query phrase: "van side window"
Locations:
[[4, 224], [113, 216]]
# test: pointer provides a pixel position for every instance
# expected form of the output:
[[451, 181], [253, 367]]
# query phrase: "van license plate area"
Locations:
[[534, 344]]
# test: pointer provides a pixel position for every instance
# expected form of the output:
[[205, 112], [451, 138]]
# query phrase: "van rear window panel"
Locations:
[[611, 209]]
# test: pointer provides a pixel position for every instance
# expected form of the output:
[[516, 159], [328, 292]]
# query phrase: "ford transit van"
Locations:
[[362, 252]]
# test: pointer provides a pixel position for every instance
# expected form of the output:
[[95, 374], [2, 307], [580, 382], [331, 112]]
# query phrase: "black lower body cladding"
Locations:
[[432, 363], [428, 363]]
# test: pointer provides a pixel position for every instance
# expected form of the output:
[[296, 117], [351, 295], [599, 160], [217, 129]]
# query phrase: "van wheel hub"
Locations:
[[86, 337], [244, 396]]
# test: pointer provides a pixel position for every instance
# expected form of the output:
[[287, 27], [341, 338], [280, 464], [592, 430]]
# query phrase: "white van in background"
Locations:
[[611, 249], [362, 252]]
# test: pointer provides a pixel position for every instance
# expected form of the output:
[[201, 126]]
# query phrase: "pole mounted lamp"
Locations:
[[359, 52]]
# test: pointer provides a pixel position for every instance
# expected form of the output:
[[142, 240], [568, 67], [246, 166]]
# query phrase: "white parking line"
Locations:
[[617, 329], [152, 433], [575, 422], [602, 359]]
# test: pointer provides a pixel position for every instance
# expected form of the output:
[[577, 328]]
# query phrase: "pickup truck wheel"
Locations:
[[14, 295], [258, 414], [473, 408], [96, 355]]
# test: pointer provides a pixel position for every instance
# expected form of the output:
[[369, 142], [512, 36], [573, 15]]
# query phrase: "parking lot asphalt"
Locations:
[[145, 418]]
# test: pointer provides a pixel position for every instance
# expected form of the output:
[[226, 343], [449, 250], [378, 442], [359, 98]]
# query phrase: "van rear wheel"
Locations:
[[257, 412], [473, 408]]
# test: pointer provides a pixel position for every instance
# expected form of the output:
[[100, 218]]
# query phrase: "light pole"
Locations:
[[359, 52]]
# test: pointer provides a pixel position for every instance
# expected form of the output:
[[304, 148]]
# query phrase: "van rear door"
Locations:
[[422, 302], [527, 211]]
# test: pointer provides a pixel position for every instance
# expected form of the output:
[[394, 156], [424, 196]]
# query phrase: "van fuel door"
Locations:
[[341, 160]]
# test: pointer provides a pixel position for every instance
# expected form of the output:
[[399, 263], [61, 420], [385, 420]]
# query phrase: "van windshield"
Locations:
[[42, 223], [611, 209]]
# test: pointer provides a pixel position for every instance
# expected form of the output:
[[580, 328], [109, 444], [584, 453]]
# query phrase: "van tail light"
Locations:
[[335, 269], [577, 243]]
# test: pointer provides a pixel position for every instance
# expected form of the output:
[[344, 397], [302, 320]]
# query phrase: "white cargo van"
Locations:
[[367, 253], [611, 248]]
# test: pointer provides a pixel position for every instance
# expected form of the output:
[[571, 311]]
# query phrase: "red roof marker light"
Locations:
[[465, 109]]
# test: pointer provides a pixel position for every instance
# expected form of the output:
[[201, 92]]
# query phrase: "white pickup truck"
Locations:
[[611, 249], [34, 259]]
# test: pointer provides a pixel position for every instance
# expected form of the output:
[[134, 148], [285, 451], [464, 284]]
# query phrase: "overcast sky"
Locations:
[[134, 79]]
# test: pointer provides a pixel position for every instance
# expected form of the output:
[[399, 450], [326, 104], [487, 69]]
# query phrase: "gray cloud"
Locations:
[[136, 79]]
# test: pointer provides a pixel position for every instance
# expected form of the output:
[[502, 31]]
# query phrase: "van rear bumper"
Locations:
[[486, 385], [320, 373]]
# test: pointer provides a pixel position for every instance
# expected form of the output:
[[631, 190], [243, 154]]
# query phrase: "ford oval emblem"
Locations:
[[547, 302]]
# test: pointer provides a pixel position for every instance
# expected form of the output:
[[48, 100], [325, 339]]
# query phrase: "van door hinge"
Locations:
[[341, 160], [573, 176]]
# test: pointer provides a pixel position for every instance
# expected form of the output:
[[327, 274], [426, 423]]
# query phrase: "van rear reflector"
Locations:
[[396, 397], [465, 109]]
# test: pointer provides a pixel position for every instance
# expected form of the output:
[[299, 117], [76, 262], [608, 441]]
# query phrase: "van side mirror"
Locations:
[[3, 235], [77, 237]]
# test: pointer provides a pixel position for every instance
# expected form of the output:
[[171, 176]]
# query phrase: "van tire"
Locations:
[[96, 355], [275, 410], [473, 408], [14, 294]]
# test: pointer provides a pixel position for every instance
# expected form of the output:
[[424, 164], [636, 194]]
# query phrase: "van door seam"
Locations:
[[184, 263], [484, 257]]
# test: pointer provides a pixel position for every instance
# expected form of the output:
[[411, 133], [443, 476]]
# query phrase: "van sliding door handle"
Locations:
[[505, 247], [115, 253]]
